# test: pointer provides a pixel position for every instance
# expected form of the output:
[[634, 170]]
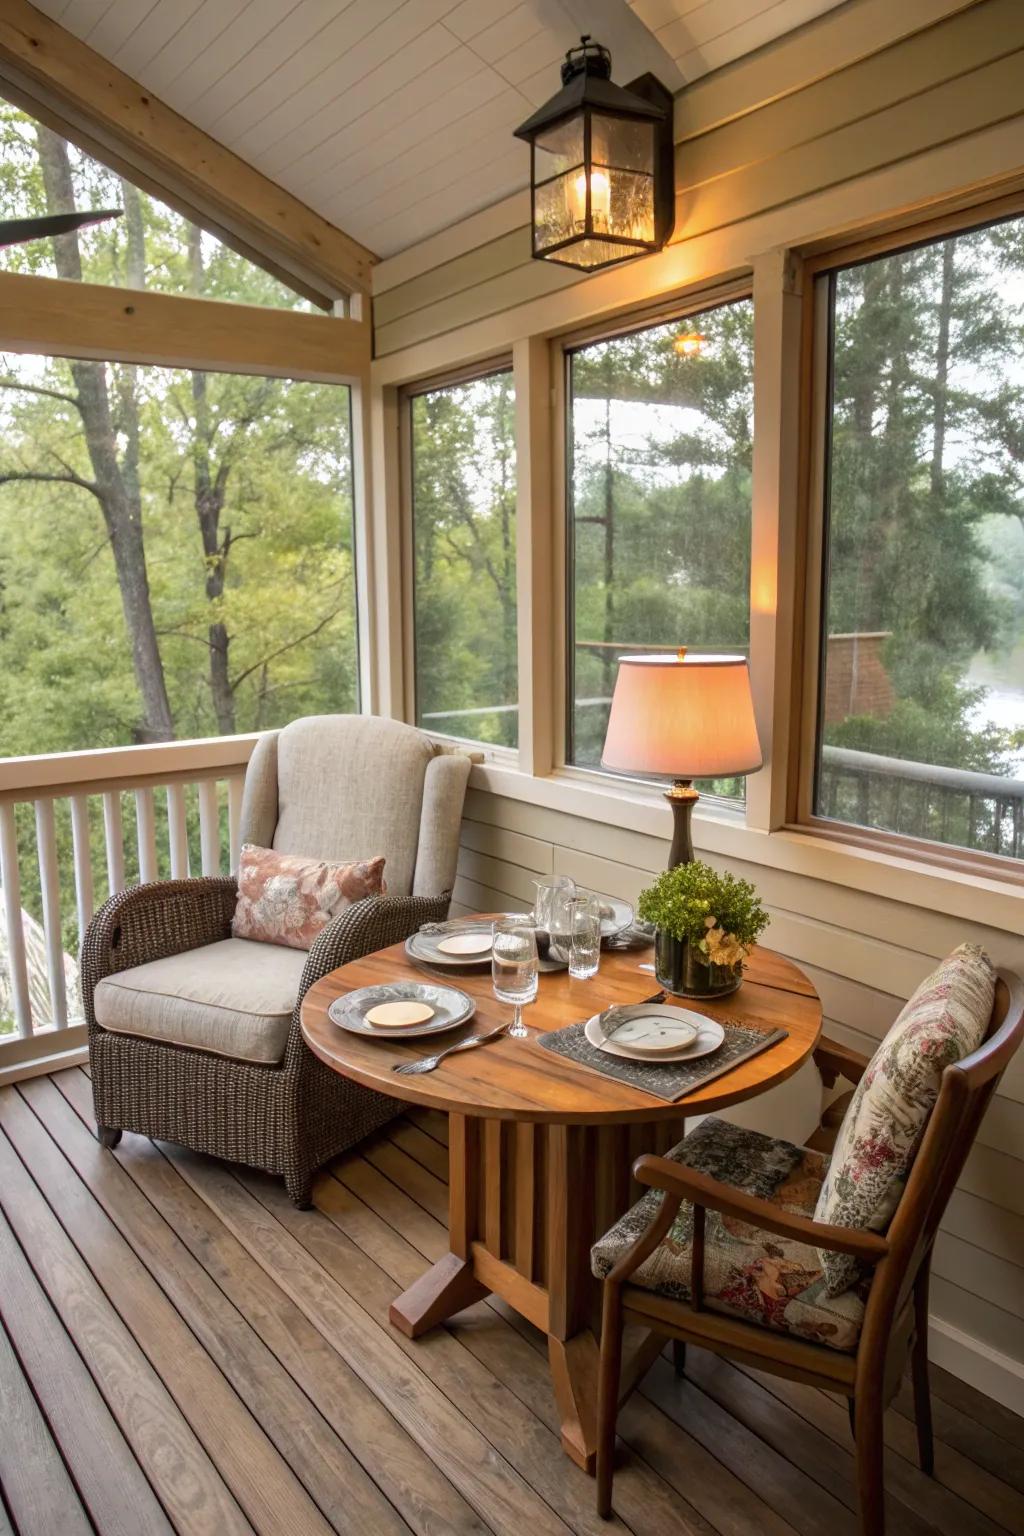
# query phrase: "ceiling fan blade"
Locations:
[[18, 231]]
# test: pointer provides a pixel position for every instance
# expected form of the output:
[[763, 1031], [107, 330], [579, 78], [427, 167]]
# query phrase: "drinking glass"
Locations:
[[514, 965], [584, 935]]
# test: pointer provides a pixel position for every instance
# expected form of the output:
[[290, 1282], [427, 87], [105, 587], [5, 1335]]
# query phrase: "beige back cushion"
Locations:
[[344, 787]]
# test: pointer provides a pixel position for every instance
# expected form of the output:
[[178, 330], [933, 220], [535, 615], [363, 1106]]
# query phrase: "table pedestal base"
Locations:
[[526, 1203]]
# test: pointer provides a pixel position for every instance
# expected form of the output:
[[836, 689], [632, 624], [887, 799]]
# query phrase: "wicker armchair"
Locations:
[[329, 786]]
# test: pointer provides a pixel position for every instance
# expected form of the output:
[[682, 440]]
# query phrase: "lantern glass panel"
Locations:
[[626, 144], [560, 209], [590, 253], [558, 148], [630, 205]]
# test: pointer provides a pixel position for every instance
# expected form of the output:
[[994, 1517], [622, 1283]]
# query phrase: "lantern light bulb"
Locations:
[[600, 198], [690, 344]]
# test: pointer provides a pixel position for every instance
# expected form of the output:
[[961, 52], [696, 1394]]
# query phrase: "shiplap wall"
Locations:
[[932, 84], [827, 129], [865, 955]]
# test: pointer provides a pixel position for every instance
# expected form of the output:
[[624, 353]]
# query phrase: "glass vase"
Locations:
[[681, 969]]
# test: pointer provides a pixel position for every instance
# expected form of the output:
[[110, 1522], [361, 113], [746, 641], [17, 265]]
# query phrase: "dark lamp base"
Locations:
[[682, 797]]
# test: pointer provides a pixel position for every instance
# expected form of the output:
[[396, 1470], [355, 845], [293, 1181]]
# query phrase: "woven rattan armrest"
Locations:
[[149, 922], [366, 926]]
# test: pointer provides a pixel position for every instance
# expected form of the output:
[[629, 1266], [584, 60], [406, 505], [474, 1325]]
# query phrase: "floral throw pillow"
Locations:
[[945, 1020], [285, 899]]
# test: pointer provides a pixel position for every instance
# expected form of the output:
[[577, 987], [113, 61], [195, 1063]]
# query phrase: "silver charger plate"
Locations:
[[710, 1033], [619, 918], [451, 1007], [423, 946]]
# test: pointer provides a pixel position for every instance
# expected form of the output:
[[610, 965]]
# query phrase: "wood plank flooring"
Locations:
[[182, 1351]]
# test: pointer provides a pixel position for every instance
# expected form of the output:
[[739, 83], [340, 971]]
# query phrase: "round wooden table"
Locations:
[[541, 1148]]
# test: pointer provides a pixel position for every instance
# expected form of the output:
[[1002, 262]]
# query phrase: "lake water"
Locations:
[[1003, 705]]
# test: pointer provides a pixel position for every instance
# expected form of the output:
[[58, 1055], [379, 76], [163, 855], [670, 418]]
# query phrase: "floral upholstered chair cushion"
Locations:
[[945, 1020], [284, 899], [748, 1273]]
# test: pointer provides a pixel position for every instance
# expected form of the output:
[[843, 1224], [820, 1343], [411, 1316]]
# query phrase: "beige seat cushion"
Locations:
[[234, 998]]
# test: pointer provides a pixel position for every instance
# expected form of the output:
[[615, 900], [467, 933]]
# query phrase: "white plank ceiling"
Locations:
[[394, 118]]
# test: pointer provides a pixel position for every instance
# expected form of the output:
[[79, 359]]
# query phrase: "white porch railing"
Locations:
[[76, 827]]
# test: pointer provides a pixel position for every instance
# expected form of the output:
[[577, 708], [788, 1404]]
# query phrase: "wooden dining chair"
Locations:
[[883, 1321]]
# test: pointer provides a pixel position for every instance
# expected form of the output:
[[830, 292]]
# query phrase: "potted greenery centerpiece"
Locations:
[[706, 924]]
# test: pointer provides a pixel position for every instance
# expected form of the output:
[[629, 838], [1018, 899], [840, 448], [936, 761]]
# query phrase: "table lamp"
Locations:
[[682, 717]]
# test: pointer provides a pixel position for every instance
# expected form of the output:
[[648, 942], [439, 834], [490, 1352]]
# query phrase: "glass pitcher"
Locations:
[[549, 907]]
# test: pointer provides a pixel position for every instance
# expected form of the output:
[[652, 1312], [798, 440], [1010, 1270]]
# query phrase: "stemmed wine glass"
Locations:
[[514, 965]]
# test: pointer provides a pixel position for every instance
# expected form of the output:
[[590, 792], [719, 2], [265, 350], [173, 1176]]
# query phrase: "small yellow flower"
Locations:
[[723, 948]]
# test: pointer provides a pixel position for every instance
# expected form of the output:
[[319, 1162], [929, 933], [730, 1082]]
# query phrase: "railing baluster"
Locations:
[[177, 831], [46, 846], [84, 895], [16, 961], [235, 788], [145, 826], [209, 826], [113, 834]]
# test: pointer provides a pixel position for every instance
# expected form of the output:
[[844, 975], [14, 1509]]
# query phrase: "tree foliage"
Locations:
[[464, 503], [175, 546], [927, 458], [660, 497]]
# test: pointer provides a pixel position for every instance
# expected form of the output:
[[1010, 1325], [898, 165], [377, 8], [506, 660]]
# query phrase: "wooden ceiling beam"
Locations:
[[54, 318], [53, 73]]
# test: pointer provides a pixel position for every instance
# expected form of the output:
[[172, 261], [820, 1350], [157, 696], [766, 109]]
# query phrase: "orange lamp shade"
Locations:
[[682, 717]]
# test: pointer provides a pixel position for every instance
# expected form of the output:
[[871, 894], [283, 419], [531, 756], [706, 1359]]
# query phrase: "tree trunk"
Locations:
[[118, 494], [942, 372], [608, 667], [209, 492], [507, 592]]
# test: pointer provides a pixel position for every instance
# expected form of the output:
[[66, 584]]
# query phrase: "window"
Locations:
[[921, 706], [149, 246], [175, 553], [660, 439], [463, 483]]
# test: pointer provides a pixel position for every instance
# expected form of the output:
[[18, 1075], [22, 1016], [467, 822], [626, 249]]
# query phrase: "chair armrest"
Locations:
[[366, 926], [834, 1060], [149, 922], [701, 1190]]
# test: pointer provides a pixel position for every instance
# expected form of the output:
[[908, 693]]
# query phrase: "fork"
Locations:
[[428, 1063]]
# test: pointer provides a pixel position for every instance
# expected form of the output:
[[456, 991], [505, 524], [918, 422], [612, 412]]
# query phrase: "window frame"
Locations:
[[820, 271], [407, 393], [666, 311]]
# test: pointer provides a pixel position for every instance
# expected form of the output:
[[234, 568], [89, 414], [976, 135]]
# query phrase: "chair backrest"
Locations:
[[346, 787], [966, 1090]]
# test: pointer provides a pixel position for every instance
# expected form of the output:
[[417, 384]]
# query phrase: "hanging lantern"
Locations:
[[602, 172]]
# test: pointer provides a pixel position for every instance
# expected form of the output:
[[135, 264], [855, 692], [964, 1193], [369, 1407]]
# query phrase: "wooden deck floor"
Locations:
[[182, 1351]]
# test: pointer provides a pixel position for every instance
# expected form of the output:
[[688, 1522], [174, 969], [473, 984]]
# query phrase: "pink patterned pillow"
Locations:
[[284, 899], [944, 1021]]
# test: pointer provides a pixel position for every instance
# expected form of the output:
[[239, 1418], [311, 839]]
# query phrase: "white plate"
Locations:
[[449, 1005], [710, 1035], [467, 944]]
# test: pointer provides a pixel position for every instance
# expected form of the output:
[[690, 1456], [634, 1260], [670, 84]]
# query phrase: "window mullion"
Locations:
[[778, 329], [388, 621], [538, 641]]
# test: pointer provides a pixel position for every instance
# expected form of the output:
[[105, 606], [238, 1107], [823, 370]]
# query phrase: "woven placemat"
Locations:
[[668, 1080]]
